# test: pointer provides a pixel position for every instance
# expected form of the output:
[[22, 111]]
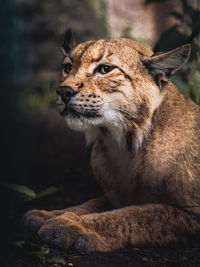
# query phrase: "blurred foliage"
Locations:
[[33, 101], [23, 193], [188, 24], [42, 25]]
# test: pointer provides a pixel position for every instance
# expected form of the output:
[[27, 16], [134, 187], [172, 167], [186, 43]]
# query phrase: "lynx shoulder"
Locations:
[[145, 137]]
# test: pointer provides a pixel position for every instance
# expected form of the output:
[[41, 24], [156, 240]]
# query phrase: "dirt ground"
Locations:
[[56, 156], [128, 257]]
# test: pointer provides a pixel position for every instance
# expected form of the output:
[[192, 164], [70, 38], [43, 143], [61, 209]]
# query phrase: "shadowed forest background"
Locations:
[[44, 164]]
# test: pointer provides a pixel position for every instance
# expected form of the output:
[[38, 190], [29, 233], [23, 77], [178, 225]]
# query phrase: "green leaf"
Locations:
[[18, 244], [48, 191], [23, 190], [57, 260], [41, 253]]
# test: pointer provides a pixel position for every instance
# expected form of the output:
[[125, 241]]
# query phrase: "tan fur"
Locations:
[[146, 150]]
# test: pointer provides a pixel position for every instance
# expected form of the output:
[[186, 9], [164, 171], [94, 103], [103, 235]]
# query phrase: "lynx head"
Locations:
[[115, 84]]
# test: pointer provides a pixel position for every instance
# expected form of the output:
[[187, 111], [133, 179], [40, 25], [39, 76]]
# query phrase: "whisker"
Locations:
[[122, 110]]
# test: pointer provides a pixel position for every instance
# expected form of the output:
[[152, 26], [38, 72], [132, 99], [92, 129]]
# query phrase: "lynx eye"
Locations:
[[103, 69], [67, 68]]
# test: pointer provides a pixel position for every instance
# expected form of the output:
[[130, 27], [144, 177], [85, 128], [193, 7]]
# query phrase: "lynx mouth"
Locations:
[[86, 112]]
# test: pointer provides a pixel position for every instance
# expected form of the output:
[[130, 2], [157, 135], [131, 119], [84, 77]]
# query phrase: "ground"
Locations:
[[57, 158], [122, 258]]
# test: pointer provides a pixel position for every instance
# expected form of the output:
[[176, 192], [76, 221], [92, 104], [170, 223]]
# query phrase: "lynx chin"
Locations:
[[145, 137]]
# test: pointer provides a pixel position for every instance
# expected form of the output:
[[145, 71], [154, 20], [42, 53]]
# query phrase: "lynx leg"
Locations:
[[34, 219], [137, 225]]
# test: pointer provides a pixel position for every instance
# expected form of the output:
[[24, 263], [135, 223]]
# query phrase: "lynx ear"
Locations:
[[67, 42], [163, 66]]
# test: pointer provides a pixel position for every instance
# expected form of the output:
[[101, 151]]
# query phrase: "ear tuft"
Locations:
[[67, 42], [163, 66]]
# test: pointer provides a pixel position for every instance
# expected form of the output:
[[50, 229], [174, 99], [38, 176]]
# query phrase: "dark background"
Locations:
[[43, 163]]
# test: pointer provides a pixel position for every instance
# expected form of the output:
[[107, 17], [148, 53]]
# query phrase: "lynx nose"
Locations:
[[66, 92]]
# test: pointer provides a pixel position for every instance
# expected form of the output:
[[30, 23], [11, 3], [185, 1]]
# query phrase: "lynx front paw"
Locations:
[[34, 219], [61, 231], [70, 230]]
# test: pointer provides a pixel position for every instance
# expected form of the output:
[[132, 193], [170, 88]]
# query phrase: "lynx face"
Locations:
[[106, 83]]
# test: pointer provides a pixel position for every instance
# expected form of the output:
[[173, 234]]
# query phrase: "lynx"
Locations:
[[145, 137]]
